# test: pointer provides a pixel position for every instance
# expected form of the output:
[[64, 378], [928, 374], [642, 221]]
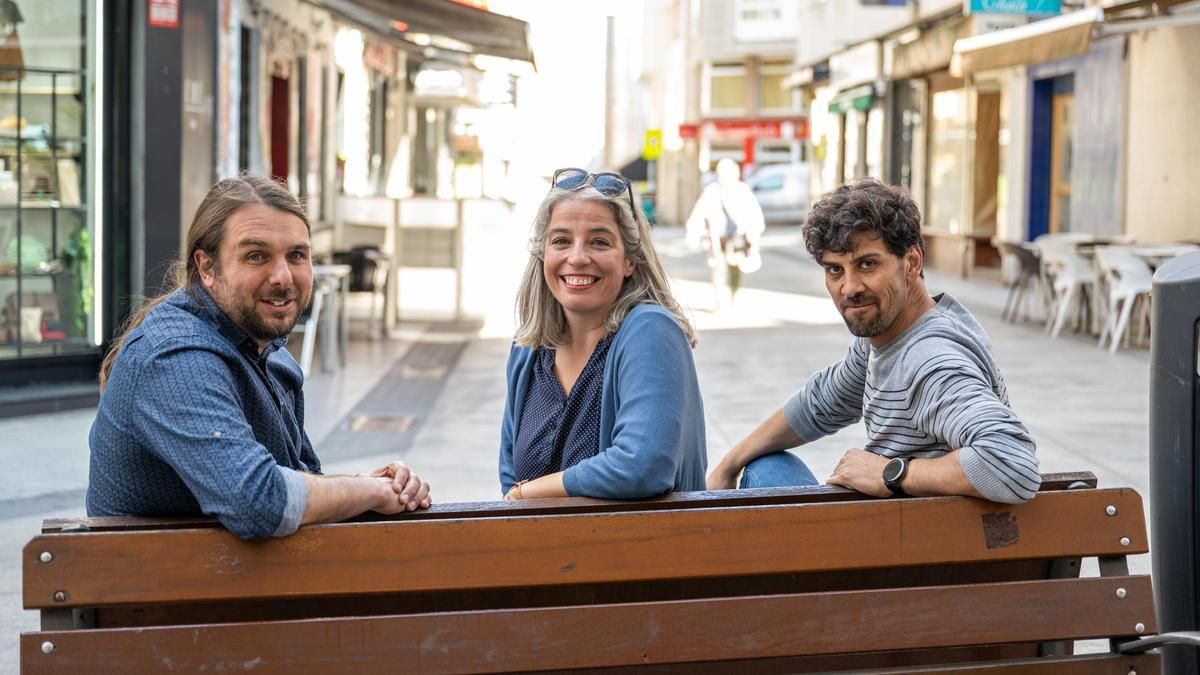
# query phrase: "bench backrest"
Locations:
[[800, 575]]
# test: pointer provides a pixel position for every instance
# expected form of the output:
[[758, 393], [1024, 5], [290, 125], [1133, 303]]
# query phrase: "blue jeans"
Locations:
[[778, 469]]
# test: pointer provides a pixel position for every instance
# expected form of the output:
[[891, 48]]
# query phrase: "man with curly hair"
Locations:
[[920, 373]]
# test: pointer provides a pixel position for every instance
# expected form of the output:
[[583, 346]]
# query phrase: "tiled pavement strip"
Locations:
[[439, 388]]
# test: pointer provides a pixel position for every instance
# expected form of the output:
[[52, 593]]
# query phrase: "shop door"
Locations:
[[1060, 161], [281, 115]]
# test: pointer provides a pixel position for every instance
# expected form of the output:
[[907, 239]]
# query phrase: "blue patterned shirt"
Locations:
[[559, 430], [195, 421]]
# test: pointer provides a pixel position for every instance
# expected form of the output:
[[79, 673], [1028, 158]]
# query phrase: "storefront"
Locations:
[[51, 232], [749, 142], [945, 137], [857, 110], [1074, 66]]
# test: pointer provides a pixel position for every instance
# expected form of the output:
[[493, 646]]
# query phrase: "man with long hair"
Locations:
[[202, 410]]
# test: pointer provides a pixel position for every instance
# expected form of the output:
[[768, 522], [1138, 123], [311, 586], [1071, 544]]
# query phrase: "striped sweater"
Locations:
[[934, 389]]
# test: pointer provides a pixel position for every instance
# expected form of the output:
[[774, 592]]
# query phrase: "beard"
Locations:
[[867, 326], [245, 312], [868, 329]]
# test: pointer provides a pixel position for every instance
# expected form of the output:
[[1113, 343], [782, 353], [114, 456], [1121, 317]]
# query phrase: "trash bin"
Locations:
[[1174, 461]]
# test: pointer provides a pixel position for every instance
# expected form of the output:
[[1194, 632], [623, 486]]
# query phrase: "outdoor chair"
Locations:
[[1128, 279], [1028, 275], [1073, 280], [369, 268], [308, 323]]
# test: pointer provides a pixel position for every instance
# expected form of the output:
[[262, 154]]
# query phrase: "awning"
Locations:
[[933, 50], [1052, 39], [808, 75], [1061, 37], [859, 98], [636, 170], [479, 31]]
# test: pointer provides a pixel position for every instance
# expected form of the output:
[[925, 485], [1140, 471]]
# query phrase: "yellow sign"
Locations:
[[652, 146]]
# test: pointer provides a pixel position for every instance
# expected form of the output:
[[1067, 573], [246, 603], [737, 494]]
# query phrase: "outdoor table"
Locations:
[[335, 325], [1157, 254]]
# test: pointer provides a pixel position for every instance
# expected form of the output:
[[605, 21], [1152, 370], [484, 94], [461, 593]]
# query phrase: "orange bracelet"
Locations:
[[514, 492]]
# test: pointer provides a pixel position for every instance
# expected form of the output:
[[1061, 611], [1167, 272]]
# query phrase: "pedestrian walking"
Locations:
[[727, 223]]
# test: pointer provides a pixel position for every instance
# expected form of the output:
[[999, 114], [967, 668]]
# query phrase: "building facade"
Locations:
[[111, 132]]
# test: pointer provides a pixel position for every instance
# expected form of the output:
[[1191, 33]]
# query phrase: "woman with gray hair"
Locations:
[[603, 399]]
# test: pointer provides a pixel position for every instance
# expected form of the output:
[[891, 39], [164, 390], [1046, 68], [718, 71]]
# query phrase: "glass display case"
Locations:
[[46, 280]]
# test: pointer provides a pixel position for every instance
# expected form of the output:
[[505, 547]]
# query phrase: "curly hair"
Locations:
[[866, 206]]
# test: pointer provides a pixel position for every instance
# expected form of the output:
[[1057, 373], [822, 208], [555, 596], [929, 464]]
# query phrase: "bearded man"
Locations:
[[920, 373], [202, 410]]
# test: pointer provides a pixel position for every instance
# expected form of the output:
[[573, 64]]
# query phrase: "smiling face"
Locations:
[[877, 292], [262, 277], [584, 261]]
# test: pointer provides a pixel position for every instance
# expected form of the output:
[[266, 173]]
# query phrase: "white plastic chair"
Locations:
[[308, 324], [1128, 278], [1072, 278]]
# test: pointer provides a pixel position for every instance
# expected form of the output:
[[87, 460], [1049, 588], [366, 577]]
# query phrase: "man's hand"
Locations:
[[861, 471], [411, 492], [723, 476]]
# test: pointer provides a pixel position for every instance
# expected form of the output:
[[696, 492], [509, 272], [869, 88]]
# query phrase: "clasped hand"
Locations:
[[410, 491]]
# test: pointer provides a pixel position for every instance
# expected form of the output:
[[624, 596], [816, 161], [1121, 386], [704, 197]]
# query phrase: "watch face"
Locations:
[[893, 470]]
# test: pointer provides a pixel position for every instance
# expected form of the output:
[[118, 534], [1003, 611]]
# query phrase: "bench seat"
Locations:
[[779, 580]]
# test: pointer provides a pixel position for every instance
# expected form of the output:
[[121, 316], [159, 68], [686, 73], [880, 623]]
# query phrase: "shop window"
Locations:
[[377, 147], [908, 137], [727, 90], [874, 143], [773, 98], [47, 292], [852, 147], [947, 145]]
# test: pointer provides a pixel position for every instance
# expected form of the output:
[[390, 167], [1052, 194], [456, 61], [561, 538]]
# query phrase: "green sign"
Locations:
[[1014, 6]]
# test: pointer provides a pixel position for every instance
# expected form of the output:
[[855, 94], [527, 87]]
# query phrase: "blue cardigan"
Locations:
[[651, 414]]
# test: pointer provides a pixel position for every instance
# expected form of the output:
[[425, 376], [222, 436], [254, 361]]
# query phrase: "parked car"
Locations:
[[782, 191]]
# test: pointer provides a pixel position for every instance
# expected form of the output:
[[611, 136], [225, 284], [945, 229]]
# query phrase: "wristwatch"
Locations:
[[894, 472]]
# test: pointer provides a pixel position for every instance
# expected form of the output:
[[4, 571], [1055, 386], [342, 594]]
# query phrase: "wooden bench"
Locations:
[[780, 580]]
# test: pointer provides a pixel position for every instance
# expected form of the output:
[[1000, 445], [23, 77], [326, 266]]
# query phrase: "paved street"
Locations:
[[1086, 408]]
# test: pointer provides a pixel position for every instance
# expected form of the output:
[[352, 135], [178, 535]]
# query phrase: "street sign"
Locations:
[[652, 146], [1013, 6], [163, 13]]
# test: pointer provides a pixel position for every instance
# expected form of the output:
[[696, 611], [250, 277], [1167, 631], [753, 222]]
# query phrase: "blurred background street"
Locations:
[[1046, 142]]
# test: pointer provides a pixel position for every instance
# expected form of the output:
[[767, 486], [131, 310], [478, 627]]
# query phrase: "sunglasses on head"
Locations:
[[606, 183]]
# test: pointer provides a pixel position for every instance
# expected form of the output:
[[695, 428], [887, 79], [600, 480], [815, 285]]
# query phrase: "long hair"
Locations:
[[541, 321], [206, 233]]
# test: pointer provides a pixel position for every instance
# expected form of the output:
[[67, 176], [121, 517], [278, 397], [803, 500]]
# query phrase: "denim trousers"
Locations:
[[778, 469]]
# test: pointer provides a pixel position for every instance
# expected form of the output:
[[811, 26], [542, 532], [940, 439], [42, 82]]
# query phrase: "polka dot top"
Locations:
[[557, 430]]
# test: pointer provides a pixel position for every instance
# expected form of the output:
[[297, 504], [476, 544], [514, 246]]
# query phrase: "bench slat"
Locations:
[[932, 662], [95, 569], [276, 609], [637, 633], [1085, 664], [675, 500]]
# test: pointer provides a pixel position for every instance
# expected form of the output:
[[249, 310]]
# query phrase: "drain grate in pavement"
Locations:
[[389, 417], [396, 425]]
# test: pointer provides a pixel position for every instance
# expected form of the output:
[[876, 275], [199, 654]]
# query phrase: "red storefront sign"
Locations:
[[743, 129], [163, 13]]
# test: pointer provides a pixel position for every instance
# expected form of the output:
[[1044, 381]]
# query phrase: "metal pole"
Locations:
[[1174, 383]]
